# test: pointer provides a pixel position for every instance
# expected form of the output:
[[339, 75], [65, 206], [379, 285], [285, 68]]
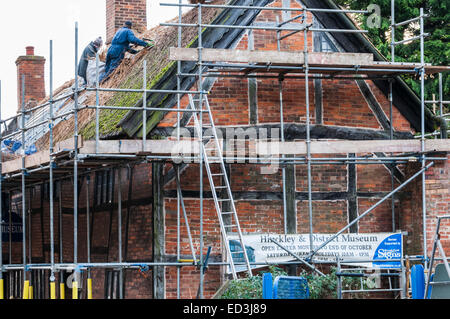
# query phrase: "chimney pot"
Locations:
[[30, 50]]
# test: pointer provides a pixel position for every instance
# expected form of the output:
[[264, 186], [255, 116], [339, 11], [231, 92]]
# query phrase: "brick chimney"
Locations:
[[32, 66], [119, 11]]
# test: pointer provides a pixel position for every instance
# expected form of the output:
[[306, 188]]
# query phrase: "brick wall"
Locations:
[[326, 177], [344, 105], [367, 182], [437, 204], [410, 219], [437, 183], [399, 122], [229, 102], [328, 216]]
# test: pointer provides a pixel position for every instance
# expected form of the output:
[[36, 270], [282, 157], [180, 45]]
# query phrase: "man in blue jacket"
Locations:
[[119, 45]]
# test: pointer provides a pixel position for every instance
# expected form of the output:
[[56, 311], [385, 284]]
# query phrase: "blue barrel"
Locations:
[[267, 284], [417, 282]]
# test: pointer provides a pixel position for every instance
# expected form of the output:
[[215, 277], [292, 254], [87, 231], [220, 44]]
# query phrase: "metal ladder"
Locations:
[[437, 244], [228, 220]]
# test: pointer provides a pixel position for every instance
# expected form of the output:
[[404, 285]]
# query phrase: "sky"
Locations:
[[34, 23]]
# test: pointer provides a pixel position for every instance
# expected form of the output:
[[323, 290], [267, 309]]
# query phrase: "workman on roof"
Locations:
[[119, 45], [89, 52]]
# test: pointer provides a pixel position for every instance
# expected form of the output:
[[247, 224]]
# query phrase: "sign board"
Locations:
[[379, 248]]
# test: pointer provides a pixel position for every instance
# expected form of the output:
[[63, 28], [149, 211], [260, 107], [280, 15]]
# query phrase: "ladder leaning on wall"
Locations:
[[212, 153]]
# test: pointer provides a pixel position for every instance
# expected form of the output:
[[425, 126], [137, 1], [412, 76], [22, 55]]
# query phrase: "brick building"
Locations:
[[340, 109]]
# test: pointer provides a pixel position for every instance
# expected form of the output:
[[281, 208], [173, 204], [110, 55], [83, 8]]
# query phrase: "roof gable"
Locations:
[[404, 98], [406, 101]]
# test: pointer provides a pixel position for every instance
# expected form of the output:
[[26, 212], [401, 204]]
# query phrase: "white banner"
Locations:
[[354, 246]]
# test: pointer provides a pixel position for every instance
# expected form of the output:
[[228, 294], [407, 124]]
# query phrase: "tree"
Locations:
[[436, 46]]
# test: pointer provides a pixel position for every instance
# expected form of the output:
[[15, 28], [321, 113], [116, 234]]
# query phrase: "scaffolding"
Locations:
[[67, 159]]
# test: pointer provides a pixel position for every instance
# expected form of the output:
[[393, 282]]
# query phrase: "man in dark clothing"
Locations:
[[119, 45], [89, 52]]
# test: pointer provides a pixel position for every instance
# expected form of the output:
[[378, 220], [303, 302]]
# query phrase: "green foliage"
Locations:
[[249, 288], [325, 287], [320, 287], [436, 46]]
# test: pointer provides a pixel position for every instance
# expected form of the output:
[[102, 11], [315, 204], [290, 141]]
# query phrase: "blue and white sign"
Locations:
[[374, 250], [389, 249]]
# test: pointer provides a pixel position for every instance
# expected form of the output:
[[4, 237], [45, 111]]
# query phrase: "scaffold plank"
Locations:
[[162, 147], [251, 148], [344, 147], [277, 57], [319, 62], [40, 158]]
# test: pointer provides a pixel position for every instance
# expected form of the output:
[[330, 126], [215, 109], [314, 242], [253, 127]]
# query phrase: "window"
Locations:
[[13, 284], [322, 41], [103, 187], [112, 284], [326, 45], [40, 282]]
